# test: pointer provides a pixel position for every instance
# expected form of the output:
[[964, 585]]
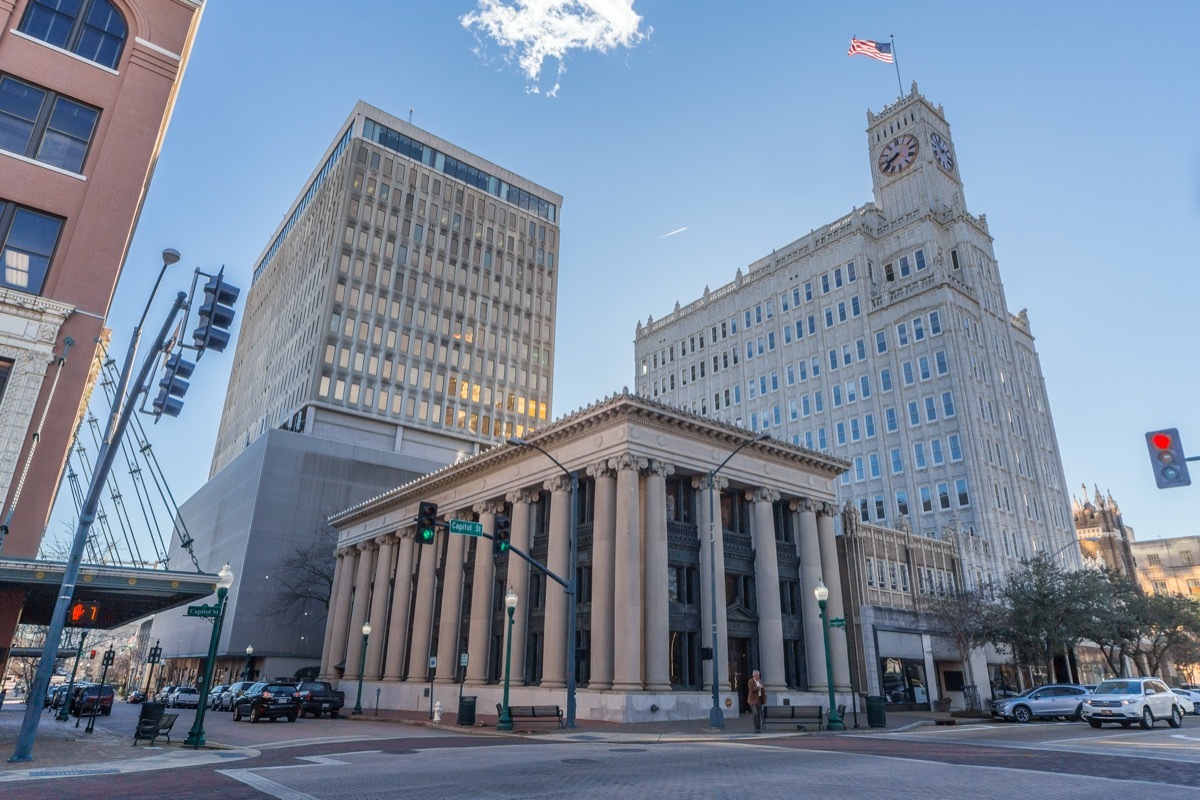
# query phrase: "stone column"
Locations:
[[554, 656], [479, 637], [766, 580], [449, 638], [835, 607], [335, 625], [422, 627], [381, 590], [656, 607], [627, 577], [518, 579], [708, 549], [393, 662], [604, 526], [810, 573], [358, 609]]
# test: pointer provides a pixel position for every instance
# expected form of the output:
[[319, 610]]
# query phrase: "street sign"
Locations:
[[204, 611], [462, 660], [433, 662], [466, 527]]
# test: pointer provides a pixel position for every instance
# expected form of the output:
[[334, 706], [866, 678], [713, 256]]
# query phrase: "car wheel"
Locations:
[[1078, 715], [1022, 714], [254, 714], [333, 714], [1095, 723], [1147, 719], [1176, 718], [237, 714], [291, 717]]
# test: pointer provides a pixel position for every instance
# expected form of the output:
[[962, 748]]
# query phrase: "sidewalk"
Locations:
[[64, 750]]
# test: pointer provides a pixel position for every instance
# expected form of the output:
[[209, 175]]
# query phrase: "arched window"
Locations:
[[91, 29]]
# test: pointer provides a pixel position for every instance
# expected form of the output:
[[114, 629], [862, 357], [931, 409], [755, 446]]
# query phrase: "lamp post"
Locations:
[[122, 409], [572, 586], [249, 662], [510, 603], [362, 665], [834, 722], [153, 658], [195, 737], [716, 717]]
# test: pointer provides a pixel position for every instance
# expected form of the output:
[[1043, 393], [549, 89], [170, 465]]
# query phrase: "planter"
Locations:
[[942, 705]]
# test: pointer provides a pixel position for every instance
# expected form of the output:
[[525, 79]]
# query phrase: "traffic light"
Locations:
[[173, 386], [82, 614], [501, 531], [1167, 458], [216, 315], [92, 654], [426, 522]]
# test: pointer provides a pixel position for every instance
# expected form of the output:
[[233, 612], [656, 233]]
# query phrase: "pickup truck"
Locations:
[[318, 697]]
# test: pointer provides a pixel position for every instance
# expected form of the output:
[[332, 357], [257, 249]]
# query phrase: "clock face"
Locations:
[[941, 151], [898, 154]]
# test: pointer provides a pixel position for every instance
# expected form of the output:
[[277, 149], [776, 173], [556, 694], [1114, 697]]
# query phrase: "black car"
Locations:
[[269, 700]]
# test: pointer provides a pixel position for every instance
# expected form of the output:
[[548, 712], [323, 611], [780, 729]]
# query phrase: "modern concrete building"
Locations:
[[885, 337], [401, 318], [86, 92], [646, 581]]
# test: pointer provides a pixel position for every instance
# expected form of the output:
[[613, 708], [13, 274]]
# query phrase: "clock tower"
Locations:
[[913, 164]]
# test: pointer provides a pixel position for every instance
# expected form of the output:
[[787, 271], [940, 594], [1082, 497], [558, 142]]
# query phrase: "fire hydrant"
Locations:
[[437, 712]]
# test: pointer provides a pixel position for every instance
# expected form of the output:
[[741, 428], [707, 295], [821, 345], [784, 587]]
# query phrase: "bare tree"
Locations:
[[967, 618], [305, 577]]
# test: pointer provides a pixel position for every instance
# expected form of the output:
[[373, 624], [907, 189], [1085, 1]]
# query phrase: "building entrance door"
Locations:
[[739, 670]]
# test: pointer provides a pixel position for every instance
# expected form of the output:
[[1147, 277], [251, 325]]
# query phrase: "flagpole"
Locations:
[[896, 61]]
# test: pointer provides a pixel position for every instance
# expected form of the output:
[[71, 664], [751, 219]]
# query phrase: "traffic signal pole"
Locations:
[[122, 409]]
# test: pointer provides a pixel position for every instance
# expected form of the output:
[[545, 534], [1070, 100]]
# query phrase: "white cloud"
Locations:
[[536, 30]]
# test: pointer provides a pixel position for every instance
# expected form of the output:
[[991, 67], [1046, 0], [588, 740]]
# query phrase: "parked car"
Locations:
[[232, 693], [164, 694], [1129, 700], [214, 695], [83, 698], [271, 700], [136, 696], [185, 697], [319, 697], [1187, 696], [1063, 700], [56, 696]]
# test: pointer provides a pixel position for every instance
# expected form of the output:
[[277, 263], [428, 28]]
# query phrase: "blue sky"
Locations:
[[1077, 134]]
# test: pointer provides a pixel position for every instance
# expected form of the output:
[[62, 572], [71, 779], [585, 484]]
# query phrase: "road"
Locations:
[[330, 759]]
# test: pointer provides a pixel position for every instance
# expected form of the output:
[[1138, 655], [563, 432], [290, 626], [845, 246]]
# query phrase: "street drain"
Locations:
[[580, 761], [626, 749]]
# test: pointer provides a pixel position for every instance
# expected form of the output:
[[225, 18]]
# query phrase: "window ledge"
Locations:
[[44, 165], [68, 53]]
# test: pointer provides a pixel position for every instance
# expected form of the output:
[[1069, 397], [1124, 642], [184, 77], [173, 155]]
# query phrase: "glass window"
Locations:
[[948, 404], [964, 497], [923, 368], [902, 334], [885, 380], [45, 126], [939, 359], [869, 424], [897, 461], [919, 454], [889, 415], [943, 491], [955, 448], [902, 502], [926, 500], [881, 342], [935, 323], [873, 464], [29, 238], [92, 29]]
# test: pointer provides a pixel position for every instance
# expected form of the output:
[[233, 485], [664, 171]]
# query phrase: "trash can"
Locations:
[[876, 715], [466, 710]]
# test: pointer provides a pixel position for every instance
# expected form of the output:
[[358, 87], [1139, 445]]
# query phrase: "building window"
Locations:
[[91, 29], [6, 367], [44, 126], [29, 238]]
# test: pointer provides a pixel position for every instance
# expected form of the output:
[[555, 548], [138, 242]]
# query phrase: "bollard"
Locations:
[[437, 712]]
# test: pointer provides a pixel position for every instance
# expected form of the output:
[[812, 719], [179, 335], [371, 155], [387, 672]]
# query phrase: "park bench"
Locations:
[[151, 728], [793, 715], [535, 713]]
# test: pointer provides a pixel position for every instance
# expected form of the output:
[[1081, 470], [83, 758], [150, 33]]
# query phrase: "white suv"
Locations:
[[1129, 700]]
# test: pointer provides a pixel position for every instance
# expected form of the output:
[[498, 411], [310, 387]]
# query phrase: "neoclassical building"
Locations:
[[643, 572]]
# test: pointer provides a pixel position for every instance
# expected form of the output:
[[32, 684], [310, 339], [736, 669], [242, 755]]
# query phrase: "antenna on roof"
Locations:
[[410, 112]]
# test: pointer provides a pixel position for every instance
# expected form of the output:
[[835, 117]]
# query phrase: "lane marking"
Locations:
[[265, 785]]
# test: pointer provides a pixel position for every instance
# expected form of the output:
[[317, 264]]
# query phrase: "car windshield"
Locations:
[[1119, 687]]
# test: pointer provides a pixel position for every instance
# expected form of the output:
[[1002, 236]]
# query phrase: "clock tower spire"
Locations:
[[913, 164]]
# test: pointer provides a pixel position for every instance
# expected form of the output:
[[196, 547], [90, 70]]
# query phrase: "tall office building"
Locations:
[[400, 319], [86, 92], [885, 338]]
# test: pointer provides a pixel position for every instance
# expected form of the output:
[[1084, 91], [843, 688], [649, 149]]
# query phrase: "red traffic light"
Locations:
[[92, 654], [1161, 440]]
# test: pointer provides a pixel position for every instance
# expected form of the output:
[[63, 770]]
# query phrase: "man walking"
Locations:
[[756, 698]]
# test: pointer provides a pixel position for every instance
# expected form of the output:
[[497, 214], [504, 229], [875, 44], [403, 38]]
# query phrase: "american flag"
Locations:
[[880, 51]]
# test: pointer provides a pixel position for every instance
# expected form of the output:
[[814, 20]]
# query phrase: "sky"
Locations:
[[691, 138]]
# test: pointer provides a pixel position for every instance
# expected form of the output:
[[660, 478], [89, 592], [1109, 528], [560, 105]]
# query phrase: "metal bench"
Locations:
[[535, 713], [151, 728], [793, 715]]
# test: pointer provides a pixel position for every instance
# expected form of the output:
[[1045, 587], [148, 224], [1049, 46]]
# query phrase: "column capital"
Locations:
[[806, 505], [720, 484], [826, 509], [489, 507], [342, 552], [521, 496], [366, 547], [382, 539], [559, 483], [762, 494], [601, 469], [661, 468], [628, 461]]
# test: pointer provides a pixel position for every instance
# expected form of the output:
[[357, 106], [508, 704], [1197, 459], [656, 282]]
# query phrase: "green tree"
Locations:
[[1167, 620], [967, 618]]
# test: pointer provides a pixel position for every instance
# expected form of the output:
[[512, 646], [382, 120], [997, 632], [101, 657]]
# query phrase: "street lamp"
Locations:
[[510, 602], [572, 587], [716, 717], [195, 737], [833, 721], [249, 662], [362, 665], [122, 409]]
